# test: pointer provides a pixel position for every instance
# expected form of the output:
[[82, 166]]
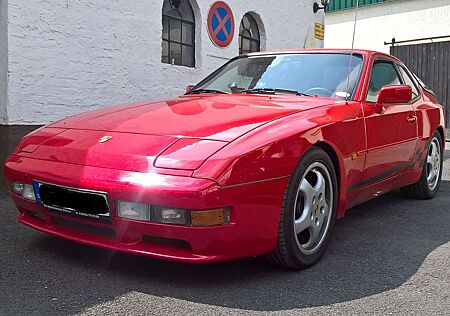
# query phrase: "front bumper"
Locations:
[[254, 212]]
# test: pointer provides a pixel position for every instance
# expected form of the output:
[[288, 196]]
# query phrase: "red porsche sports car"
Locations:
[[261, 157]]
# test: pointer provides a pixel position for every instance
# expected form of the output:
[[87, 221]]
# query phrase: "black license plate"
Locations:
[[71, 201]]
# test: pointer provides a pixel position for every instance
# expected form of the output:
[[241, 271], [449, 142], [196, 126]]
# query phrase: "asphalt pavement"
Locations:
[[388, 256]]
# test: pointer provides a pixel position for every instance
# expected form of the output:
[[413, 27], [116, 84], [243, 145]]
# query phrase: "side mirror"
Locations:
[[393, 94], [189, 88]]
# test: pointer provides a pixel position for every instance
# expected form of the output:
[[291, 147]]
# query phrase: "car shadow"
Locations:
[[377, 247]]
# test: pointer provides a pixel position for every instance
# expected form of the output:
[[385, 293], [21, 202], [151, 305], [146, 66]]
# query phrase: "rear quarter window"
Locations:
[[407, 80]]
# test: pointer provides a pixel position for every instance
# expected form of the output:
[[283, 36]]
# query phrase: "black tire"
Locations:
[[289, 253], [421, 190]]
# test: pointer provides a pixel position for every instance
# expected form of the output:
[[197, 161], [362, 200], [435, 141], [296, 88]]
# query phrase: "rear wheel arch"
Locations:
[[428, 184]]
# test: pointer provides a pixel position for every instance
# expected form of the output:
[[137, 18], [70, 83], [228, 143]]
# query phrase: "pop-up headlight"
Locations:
[[188, 153]]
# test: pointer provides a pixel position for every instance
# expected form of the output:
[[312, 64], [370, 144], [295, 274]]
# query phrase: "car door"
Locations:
[[392, 134]]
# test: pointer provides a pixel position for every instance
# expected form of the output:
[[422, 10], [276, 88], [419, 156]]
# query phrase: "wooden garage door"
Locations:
[[431, 63]]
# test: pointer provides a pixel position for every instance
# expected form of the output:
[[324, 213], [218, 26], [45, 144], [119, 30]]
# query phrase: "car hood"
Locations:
[[178, 134], [215, 117]]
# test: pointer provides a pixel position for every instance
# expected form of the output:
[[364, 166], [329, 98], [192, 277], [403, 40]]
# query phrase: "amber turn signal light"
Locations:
[[215, 217]]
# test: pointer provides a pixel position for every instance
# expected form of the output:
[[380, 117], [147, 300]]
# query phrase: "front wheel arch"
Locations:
[[338, 164], [288, 253], [333, 155], [440, 130]]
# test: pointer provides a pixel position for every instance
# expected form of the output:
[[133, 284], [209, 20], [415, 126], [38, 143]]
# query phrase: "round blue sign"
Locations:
[[221, 24]]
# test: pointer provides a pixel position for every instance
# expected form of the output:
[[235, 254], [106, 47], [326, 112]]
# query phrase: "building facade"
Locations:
[[59, 58], [416, 31], [379, 21]]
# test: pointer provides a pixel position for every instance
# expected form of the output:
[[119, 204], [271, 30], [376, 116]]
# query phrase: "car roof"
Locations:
[[364, 52]]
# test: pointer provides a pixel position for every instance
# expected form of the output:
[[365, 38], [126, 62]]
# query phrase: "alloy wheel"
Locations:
[[433, 163], [313, 207]]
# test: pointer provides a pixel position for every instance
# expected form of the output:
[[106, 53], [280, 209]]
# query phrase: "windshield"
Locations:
[[317, 74]]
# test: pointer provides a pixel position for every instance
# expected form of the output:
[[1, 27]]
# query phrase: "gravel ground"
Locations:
[[388, 256]]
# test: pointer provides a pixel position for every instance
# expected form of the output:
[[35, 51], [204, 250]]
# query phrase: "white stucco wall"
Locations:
[[70, 56], [3, 62], [401, 19]]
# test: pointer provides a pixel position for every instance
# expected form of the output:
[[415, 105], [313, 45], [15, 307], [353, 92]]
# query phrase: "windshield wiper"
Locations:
[[198, 91], [275, 91]]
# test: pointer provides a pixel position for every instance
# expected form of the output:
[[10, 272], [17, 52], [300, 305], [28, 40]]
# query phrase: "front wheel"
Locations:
[[308, 213], [430, 179]]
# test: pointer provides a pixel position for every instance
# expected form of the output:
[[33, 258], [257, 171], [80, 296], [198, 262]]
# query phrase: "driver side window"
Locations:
[[383, 74]]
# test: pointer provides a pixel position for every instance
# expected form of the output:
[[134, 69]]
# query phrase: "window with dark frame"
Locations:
[[178, 36], [249, 35]]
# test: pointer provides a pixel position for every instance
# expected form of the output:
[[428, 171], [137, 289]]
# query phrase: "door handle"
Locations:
[[411, 119]]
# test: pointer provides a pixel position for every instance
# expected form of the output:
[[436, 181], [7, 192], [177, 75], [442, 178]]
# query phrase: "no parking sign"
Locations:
[[221, 24]]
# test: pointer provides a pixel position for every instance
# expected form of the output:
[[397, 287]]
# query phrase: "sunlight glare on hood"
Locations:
[[145, 179]]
